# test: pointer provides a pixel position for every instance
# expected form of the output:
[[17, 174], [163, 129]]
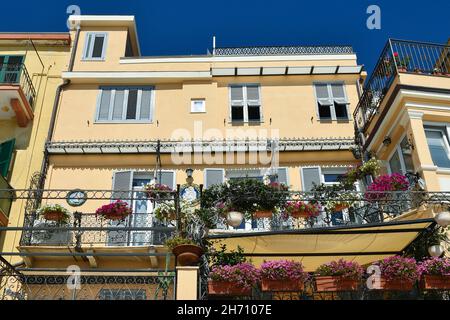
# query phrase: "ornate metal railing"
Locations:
[[282, 50], [17, 74], [399, 56], [48, 285], [142, 228]]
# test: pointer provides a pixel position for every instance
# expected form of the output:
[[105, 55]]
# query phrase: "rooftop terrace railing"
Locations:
[[399, 56]]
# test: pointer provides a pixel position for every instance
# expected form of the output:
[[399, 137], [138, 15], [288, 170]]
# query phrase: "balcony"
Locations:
[[5, 203], [400, 63], [17, 93]]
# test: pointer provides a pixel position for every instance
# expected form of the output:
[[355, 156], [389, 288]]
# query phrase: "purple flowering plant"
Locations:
[[435, 266], [399, 268], [387, 182], [282, 270], [244, 275], [341, 268], [116, 210]]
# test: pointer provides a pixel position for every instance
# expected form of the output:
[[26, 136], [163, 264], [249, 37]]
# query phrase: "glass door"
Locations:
[[10, 67]]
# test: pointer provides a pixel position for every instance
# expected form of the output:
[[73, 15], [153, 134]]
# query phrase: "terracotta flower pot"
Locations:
[[299, 214], [222, 288], [395, 284], [114, 217], [282, 285], [340, 207], [335, 284], [54, 215], [434, 282], [187, 254], [263, 214]]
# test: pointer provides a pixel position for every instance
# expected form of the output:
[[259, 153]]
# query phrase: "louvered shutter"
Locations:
[[167, 178], [310, 176], [283, 176], [213, 176], [122, 184], [103, 108], [6, 151]]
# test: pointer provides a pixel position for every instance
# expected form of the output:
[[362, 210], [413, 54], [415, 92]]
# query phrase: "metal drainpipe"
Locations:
[[44, 165]]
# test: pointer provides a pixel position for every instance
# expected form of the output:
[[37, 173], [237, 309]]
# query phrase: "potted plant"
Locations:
[[54, 212], [235, 280], [435, 273], [398, 273], [166, 211], [402, 64], [301, 209], [158, 191], [380, 187], [438, 72], [338, 275], [117, 210], [269, 197], [282, 275], [340, 202], [186, 251]]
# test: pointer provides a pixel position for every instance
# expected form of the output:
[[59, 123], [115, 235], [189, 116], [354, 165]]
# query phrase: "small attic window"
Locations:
[[95, 46]]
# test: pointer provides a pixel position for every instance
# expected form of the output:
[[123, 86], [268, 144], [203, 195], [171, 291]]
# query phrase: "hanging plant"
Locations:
[[117, 210], [54, 212], [158, 191]]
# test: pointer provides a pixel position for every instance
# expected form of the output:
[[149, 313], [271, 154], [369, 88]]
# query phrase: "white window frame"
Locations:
[[216, 169], [245, 102], [125, 102], [332, 107], [193, 101], [445, 130], [87, 56]]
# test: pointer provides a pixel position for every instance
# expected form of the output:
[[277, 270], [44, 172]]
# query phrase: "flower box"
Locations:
[[117, 210], [54, 215], [263, 214], [395, 284], [335, 284], [435, 282], [282, 285], [300, 214], [222, 288]]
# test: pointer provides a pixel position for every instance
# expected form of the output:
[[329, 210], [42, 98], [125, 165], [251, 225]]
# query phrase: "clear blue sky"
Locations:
[[187, 27]]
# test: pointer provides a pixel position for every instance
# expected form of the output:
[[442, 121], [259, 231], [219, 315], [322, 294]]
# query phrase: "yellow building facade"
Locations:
[[30, 73]]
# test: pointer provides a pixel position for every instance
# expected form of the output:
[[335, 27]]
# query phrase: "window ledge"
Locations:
[[123, 122]]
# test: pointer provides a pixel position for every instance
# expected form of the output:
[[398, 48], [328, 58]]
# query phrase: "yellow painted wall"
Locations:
[[28, 157]]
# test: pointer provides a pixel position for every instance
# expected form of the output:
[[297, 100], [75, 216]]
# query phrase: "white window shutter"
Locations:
[[253, 95], [283, 176], [168, 178], [237, 95], [310, 176], [213, 176], [122, 182]]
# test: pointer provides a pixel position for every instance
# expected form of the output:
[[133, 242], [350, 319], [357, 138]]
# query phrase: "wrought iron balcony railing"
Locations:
[[399, 56], [143, 228], [17, 74]]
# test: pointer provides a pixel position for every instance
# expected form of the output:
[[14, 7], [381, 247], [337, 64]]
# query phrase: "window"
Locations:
[[438, 144], [198, 105], [125, 104], [95, 46], [245, 103], [332, 103], [401, 160]]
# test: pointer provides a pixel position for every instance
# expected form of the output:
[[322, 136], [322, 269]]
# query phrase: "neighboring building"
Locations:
[[403, 116], [30, 72]]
